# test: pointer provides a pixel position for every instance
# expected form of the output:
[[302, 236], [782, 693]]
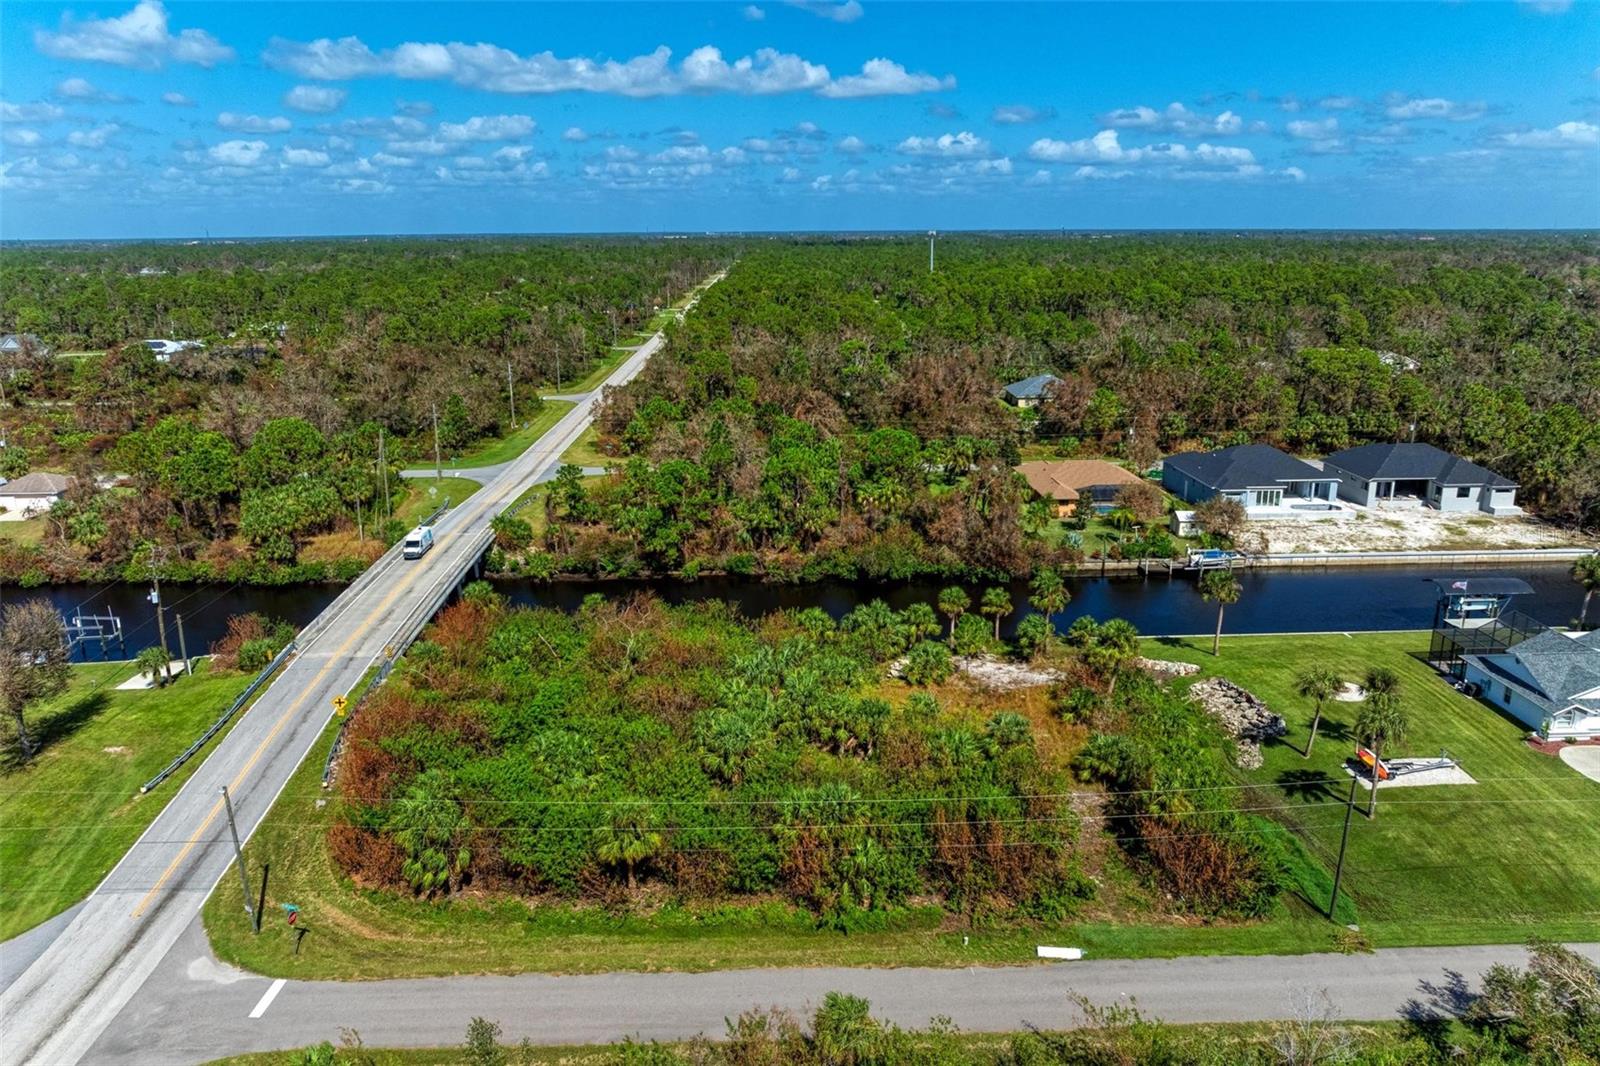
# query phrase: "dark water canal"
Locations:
[[1331, 600]]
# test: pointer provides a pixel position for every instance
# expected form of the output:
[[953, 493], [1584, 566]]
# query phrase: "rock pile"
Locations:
[[1242, 714], [1166, 667]]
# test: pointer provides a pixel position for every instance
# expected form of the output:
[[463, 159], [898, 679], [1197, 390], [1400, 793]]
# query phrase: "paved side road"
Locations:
[[60, 1004], [195, 1008]]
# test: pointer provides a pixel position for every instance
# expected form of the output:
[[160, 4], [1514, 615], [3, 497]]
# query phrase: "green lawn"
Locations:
[[504, 449], [425, 494], [1516, 854], [70, 813], [584, 452], [27, 531], [603, 369]]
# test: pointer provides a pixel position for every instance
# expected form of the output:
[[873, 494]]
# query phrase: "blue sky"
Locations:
[[125, 119]]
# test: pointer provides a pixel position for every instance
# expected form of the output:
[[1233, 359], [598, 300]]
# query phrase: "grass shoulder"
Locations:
[[506, 448], [424, 495], [75, 808]]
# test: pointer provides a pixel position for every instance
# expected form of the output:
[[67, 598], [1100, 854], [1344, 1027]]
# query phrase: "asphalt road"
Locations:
[[195, 1008], [61, 1004]]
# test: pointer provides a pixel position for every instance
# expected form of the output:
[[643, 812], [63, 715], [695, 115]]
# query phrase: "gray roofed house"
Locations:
[[1550, 683], [1269, 483], [11, 343], [1030, 392], [31, 494], [1416, 475]]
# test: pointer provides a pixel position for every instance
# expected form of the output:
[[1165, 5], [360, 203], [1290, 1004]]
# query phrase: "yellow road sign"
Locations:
[[338, 704]]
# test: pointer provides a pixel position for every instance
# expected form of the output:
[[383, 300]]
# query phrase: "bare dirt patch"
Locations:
[[1415, 530]]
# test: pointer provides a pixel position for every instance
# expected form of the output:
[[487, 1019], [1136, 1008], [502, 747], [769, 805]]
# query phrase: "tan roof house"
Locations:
[[1069, 481]]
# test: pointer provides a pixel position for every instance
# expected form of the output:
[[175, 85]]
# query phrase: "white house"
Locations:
[[1419, 475], [165, 349], [30, 495], [1550, 683]]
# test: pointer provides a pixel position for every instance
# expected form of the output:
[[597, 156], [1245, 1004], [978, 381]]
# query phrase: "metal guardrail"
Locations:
[[410, 629], [233, 709]]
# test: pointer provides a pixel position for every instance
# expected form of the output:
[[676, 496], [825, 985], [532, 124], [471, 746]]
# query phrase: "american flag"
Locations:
[[1462, 585]]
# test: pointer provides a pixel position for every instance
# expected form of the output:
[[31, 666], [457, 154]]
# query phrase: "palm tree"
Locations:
[[1586, 572], [996, 603], [1383, 721], [1317, 683], [921, 623], [152, 662], [1113, 650], [1049, 596], [629, 838], [953, 603], [1223, 588]]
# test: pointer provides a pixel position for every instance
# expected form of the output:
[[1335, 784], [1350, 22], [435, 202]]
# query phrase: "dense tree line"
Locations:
[[635, 745], [1486, 346], [269, 433]]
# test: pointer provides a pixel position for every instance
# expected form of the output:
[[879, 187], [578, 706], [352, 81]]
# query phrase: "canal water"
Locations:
[[1332, 600]]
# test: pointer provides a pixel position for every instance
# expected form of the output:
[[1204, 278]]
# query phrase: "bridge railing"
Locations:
[[216, 727]]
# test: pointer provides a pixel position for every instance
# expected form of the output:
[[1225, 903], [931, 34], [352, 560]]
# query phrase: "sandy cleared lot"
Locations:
[[1405, 530]]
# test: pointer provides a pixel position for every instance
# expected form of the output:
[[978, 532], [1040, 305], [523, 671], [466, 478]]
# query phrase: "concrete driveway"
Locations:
[[1584, 758]]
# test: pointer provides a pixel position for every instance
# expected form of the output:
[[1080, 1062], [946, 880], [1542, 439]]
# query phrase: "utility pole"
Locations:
[[161, 618], [511, 390], [931, 235], [383, 472], [438, 468], [238, 853], [1344, 838], [183, 647]]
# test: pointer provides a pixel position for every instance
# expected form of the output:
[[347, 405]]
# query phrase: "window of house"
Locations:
[[1463, 492], [1507, 696]]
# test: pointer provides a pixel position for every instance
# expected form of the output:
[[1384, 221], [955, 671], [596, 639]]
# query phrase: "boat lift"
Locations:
[[83, 629], [1203, 559], [1389, 769]]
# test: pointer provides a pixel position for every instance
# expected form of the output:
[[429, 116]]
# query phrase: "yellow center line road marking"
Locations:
[[490, 499]]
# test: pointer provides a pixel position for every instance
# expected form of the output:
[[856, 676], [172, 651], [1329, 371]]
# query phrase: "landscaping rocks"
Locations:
[[1166, 667], [1242, 714]]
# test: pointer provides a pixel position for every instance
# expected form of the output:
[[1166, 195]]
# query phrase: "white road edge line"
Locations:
[[267, 997]]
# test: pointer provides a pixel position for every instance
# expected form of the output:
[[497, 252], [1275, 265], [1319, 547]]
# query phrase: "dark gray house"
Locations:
[[1029, 392], [1419, 475], [1550, 683], [1270, 483]]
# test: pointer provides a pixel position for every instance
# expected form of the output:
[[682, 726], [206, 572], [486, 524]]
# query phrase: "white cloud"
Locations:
[[38, 112], [488, 128], [395, 127], [575, 134], [237, 123], [362, 185], [769, 71], [1565, 136], [23, 138], [426, 146], [1105, 147], [491, 68], [1323, 134], [884, 77], [176, 100], [237, 153], [384, 159], [853, 145], [1020, 114], [1546, 7], [848, 11], [82, 90], [1038, 177], [1176, 119], [139, 39], [314, 99], [1339, 103], [1294, 173], [961, 145], [93, 138], [1404, 108], [752, 13], [305, 157]]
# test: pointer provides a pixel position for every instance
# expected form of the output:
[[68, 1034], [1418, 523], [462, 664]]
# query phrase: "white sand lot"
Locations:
[[1414, 529]]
